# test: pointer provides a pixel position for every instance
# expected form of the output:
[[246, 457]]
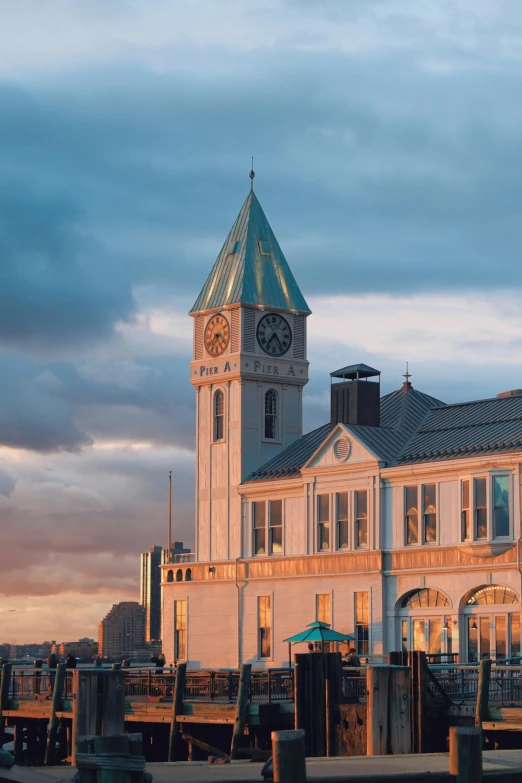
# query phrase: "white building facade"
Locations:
[[397, 522]]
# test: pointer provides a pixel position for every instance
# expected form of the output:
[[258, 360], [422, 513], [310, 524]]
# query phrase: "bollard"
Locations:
[[288, 755], [466, 753]]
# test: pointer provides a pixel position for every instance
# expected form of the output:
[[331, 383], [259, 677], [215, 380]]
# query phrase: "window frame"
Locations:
[[276, 416], [357, 518], [327, 523], [260, 628], [266, 527], [421, 514], [356, 625], [223, 439], [323, 598], [177, 656], [339, 522], [489, 478]]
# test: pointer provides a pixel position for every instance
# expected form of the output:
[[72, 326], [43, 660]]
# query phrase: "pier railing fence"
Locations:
[[458, 681]]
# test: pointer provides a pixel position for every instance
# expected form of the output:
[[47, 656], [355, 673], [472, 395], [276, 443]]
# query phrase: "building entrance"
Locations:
[[492, 623], [424, 622]]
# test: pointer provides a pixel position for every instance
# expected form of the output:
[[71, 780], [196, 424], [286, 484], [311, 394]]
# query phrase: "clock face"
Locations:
[[274, 334], [217, 335]]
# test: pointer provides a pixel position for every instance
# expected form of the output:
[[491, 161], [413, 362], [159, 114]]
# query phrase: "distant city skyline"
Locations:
[[385, 137]]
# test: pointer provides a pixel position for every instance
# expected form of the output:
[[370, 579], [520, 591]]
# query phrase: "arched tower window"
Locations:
[[219, 415], [179, 575], [271, 415], [170, 576], [188, 575]]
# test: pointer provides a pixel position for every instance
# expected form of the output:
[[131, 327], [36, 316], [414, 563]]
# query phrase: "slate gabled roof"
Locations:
[[406, 408], [467, 429], [251, 268], [290, 461]]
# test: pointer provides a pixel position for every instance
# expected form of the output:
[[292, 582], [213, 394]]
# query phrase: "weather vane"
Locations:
[[252, 175], [407, 375]]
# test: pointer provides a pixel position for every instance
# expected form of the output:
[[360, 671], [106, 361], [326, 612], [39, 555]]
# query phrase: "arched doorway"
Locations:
[[424, 621], [491, 623]]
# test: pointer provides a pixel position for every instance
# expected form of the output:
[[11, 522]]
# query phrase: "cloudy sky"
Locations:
[[387, 137]]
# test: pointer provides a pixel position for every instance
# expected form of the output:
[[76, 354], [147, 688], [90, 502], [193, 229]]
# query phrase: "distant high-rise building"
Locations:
[[150, 586], [122, 631]]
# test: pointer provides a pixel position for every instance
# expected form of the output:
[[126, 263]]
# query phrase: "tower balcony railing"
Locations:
[[185, 557]]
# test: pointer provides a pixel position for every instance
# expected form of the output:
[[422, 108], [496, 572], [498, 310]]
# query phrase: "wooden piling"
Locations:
[[5, 683], [175, 738], [333, 697], [466, 753], [288, 755], [85, 706], [399, 710], [59, 685], [481, 708], [241, 708], [377, 683]]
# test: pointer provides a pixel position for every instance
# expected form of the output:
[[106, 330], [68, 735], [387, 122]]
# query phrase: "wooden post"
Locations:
[[317, 704], [377, 679], [241, 708], [85, 705], [175, 738], [59, 684], [466, 753], [481, 709], [399, 710], [117, 746], [333, 694], [5, 683], [288, 754], [112, 702], [18, 749]]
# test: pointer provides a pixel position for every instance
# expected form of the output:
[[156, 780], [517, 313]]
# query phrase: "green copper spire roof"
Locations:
[[251, 268]]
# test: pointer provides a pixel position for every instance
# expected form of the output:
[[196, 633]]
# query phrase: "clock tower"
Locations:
[[249, 368]]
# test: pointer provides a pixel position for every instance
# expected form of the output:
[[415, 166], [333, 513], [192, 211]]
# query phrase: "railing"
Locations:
[[187, 557], [354, 683], [36, 684], [461, 682]]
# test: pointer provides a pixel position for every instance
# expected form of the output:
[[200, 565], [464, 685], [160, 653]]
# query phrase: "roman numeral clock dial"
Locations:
[[217, 335], [274, 334]]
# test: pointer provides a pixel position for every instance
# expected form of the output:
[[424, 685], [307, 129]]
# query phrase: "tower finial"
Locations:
[[252, 175], [407, 375]]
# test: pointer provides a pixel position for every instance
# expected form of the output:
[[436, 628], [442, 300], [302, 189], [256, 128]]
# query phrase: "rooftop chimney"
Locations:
[[355, 399]]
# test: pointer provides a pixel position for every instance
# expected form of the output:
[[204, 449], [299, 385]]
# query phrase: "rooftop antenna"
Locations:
[[407, 375], [252, 175], [169, 542]]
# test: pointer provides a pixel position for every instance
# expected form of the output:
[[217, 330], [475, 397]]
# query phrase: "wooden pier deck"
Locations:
[[500, 766]]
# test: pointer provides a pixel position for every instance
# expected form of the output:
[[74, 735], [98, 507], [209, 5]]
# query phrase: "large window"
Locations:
[[323, 522], [412, 515], [465, 510], [480, 508], [500, 506], [264, 626], [259, 527], [362, 623], [276, 527], [271, 415], [323, 608], [429, 512], [342, 520], [180, 630], [267, 526], [361, 519], [219, 416]]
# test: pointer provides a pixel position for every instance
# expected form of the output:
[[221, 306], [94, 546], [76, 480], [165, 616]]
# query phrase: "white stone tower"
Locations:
[[249, 368]]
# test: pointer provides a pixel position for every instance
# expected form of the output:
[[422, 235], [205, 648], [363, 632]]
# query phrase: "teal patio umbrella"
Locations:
[[316, 632]]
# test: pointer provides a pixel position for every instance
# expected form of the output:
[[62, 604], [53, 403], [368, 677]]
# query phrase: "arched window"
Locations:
[[424, 598], [271, 415], [179, 575], [170, 576], [188, 575], [219, 415], [492, 594]]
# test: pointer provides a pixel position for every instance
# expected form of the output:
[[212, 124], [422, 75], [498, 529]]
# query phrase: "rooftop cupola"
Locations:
[[355, 399]]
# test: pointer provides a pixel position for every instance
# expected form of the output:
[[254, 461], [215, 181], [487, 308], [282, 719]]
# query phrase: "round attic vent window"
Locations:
[[342, 449]]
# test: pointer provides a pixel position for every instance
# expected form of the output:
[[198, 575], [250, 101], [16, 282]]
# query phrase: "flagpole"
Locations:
[[169, 542]]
